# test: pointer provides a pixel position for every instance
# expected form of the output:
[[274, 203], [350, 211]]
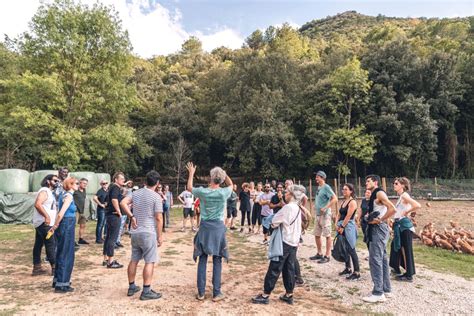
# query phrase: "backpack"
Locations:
[[305, 217]]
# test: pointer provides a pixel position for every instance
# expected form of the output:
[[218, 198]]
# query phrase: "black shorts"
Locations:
[[231, 212], [188, 212]]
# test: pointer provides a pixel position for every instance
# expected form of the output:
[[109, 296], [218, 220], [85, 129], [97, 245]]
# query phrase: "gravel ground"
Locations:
[[431, 292]]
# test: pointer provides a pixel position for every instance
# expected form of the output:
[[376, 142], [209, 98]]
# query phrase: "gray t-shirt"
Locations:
[[146, 203]]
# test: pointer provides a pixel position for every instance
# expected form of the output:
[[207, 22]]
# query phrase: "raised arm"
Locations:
[[191, 171]]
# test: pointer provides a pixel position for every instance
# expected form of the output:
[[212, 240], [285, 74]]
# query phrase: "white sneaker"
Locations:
[[388, 294], [374, 298]]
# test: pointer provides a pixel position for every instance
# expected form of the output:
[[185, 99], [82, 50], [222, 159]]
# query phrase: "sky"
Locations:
[[159, 27]]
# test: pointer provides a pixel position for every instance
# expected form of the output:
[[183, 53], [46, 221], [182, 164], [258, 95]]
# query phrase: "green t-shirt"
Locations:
[[323, 196], [212, 201]]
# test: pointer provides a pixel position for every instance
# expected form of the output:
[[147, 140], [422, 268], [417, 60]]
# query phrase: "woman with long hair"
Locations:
[[346, 226], [401, 250]]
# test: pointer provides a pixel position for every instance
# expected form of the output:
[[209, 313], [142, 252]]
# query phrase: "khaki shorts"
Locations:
[[322, 226], [80, 218]]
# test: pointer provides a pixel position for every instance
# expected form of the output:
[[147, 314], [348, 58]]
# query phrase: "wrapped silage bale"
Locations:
[[37, 176], [93, 183], [14, 181]]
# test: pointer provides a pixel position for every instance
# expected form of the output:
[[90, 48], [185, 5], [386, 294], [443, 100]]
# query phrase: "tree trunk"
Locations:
[[417, 172]]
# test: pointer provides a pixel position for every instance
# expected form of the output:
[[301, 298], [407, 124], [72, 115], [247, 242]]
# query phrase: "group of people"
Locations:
[[281, 210]]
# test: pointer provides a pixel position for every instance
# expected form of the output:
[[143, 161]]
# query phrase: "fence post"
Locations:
[[384, 184], [310, 195], [436, 187], [360, 187], [336, 188]]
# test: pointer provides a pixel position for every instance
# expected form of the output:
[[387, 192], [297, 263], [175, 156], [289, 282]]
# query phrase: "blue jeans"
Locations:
[[65, 251], [123, 220], [166, 215], [100, 225], [216, 274]]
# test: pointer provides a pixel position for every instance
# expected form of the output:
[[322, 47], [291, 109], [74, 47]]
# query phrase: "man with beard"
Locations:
[[265, 200]]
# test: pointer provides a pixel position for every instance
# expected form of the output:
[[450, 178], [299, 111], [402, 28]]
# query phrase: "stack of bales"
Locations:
[[20, 185]]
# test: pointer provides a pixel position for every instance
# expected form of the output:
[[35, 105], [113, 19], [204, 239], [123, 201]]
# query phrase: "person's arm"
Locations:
[[304, 200], [332, 201], [159, 221], [409, 200], [359, 215], [352, 208], [67, 201], [191, 171], [125, 206], [383, 198], [116, 205], [40, 199], [96, 201], [171, 199], [279, 218], [274, 205], [180, 199]]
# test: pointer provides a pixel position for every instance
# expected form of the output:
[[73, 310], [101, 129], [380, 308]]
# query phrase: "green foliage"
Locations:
[[349, 92]]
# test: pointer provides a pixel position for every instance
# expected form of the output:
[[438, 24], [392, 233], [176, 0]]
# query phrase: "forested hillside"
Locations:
[[350, 93]]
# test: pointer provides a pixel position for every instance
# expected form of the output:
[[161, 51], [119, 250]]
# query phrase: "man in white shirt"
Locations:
[[187, 199]]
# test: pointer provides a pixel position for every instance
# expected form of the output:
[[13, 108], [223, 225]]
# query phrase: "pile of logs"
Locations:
[[454, 238]]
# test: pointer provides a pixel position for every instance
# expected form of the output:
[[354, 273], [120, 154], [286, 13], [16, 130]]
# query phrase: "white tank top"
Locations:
[[400, 207], [382, 209], [49, 205]]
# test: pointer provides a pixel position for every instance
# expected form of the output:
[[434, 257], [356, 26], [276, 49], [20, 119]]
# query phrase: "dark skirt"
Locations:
[[403, 257]]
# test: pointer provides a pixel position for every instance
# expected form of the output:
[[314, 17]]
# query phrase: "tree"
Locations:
[[87, 51], [178, 158]]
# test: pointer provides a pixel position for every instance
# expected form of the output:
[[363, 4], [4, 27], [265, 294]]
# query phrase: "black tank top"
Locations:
[[343, 211]]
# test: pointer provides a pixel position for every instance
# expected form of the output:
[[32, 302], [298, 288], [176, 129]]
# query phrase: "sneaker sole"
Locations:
[[262, 303], [135, 291]]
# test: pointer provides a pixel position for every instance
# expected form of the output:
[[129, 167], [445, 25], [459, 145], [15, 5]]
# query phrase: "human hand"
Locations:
[[134, 222], [340, 230], [376, 221], [47, 220], [160, 241], [191, 167]]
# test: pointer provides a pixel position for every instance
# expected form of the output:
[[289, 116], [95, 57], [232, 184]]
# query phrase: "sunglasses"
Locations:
[[55, 180], [104, 183]]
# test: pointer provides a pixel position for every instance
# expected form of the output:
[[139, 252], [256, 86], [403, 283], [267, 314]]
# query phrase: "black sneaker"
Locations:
[[133, 290], [346, 271], [260, 299], [353, 277], [119, 245], [82, 242], [99, 241], [404, 278], [233, 228], [287, 299], [63, 289], [317, 257], [104, 263], [152, 295], [114, 265], [324, 260]]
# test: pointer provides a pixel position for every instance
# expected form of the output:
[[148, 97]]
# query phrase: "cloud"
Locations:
[[153, 29]]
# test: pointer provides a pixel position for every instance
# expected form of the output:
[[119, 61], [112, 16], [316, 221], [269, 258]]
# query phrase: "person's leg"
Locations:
[[355, 259], [318, 245], [298, 276], [50, 246], [273, 272], [114, 229], [100, 225], [82, 229], [201, 274], [254, 217], [248, 218], [123, 219], [70, 249], [259, 218], [395, 259], [60, 255], [242, 219], [289, 269], [107, 238], [407, 244], [216, 275], [148, 274], [385, 268], [328, 246], [37, 247], [376, 262], [132, 271]]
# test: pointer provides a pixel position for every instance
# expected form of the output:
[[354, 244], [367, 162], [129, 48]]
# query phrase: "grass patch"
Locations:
[[436, 259], [353, 290], [442, 260], [166, 263]]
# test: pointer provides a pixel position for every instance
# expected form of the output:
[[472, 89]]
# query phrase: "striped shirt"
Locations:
[[146, 203]]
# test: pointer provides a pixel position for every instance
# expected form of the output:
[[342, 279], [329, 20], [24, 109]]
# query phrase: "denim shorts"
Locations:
[[144, 247]]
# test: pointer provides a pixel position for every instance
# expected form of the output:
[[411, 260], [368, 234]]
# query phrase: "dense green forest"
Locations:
[[349, 93]]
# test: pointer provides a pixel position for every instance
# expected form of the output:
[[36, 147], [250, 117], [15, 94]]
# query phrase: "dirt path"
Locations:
[[100, 290]]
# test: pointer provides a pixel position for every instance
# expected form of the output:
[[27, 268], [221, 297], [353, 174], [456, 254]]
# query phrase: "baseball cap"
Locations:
[[321, 173]]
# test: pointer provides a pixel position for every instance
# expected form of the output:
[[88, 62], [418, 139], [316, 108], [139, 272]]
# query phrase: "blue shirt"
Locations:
[[71, 210], [323, 196], [213, 202]]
